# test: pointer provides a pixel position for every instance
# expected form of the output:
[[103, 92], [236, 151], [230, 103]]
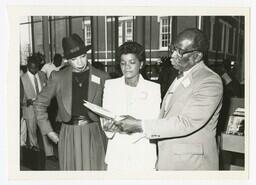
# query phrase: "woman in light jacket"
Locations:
[[130, 95]]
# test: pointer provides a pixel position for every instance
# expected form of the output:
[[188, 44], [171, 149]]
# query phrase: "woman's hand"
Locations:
[[129, 124]]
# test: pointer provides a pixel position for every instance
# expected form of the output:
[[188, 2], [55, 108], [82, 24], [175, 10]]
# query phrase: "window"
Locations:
[[38, 34], [125, 29], [212, 24], [120, 33], [58, 31], [230, 40], [30, 42], [128, 30], [165, 32], [234, 42], [25, 40], [87, 31], [227, 35], [88, 34]]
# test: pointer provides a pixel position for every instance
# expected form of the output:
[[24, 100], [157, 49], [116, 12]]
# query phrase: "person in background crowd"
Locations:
[[40, 58], [23, 127], [98, 65], [186, 127], [131, 95], [231, 89], [167, 75], [81, 142], [32, 83], [55, 66], [21, 72], [231, 84], [23, 69]]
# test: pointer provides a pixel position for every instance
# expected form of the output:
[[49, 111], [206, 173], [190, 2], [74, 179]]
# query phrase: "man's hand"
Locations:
[[130, 125], [29, 102], [53, 136], [111, 126]]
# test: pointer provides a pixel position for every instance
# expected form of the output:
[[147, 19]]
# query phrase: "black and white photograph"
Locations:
[[171, 80], [112, 94]]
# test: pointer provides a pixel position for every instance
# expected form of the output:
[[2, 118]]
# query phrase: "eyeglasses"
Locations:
[[180, 51]]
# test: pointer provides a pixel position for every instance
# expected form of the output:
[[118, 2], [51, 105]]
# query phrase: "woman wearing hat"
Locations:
[[130, 95], [81, 142]]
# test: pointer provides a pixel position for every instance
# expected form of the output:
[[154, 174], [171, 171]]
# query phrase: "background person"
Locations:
[[167, 75], [32, 83], [55, 66]]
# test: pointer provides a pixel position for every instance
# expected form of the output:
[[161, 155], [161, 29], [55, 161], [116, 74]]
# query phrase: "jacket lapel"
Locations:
[[66, 89], [42, 80], [162, 111], [92, 85], [184, 84], [30, 85]]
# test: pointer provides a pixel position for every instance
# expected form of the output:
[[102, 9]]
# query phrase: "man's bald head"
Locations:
[[188, 49], [193, 39]]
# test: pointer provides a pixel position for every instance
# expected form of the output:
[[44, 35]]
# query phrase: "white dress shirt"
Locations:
[[49, 67]]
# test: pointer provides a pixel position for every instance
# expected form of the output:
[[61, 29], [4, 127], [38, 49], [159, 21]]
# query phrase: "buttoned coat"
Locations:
[[186, 127]]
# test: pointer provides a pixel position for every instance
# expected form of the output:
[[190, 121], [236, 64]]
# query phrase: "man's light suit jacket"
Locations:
[[186, 129], [29, 93], [28, 113], [60, 85]]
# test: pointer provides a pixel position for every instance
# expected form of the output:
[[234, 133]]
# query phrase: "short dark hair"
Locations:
[[33, 59], [57, 59], [133, 48]]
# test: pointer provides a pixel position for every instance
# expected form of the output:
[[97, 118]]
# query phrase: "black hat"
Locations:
[[73, 46]]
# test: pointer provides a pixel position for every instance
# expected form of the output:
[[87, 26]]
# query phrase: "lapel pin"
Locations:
[[186, 82]]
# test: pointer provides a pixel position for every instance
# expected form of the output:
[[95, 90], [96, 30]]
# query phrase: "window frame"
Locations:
[[29, 46], [126, 30], [169, 31], [87, 23]]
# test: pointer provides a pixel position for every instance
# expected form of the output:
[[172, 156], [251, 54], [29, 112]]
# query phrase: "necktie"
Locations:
[[36, 85]]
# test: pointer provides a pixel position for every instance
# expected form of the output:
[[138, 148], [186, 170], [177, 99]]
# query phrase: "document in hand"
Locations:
[[104, 113]]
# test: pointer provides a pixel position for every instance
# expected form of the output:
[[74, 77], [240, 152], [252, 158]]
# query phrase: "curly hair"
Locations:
[[133, 48]]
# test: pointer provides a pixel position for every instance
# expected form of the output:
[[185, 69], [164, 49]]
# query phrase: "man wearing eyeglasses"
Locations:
[[186, 127]]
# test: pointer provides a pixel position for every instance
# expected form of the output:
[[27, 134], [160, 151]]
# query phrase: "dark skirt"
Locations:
[[81, 147]]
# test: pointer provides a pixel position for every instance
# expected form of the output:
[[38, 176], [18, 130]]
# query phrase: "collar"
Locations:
[[31, 75], [185, 73], [140, 81]]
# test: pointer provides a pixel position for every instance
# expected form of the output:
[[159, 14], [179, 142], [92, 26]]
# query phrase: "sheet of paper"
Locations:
[[102, 112]]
